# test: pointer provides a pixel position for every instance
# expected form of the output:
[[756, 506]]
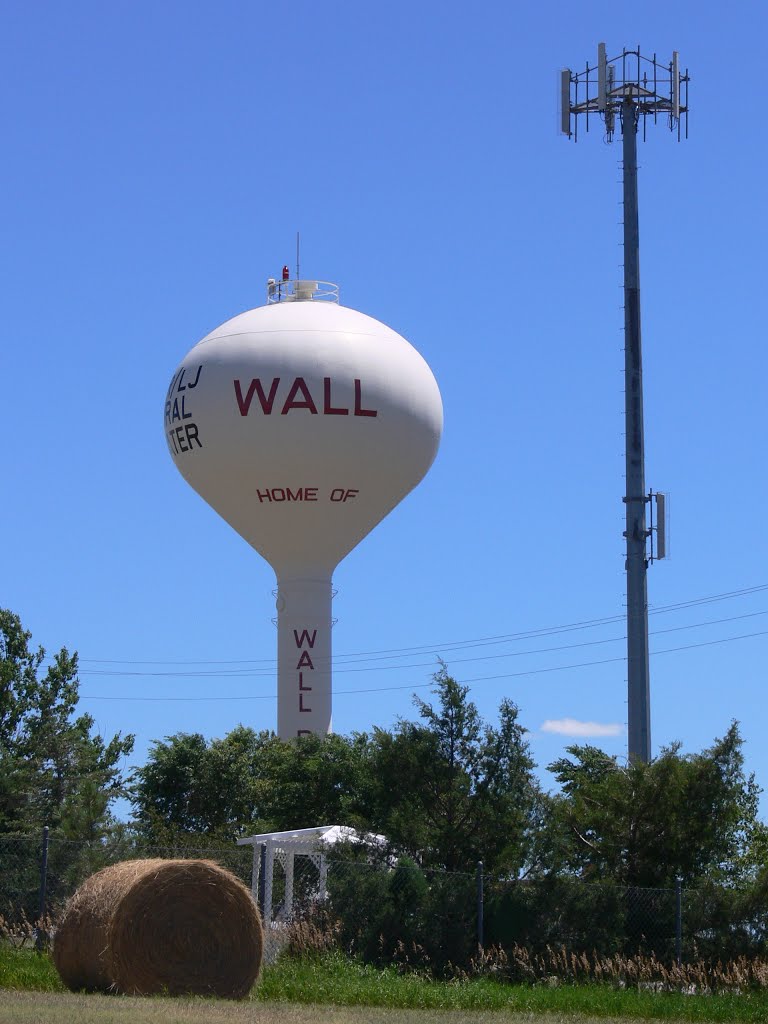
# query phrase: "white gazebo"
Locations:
[[281, 849]]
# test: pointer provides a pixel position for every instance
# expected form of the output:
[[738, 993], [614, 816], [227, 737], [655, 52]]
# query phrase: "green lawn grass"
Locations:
[[26, 970], [335, 981]]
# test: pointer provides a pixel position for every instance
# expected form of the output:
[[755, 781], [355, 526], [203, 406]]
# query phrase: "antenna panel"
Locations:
[[565, 101], [602, 78], [661, 525], [675, 69]]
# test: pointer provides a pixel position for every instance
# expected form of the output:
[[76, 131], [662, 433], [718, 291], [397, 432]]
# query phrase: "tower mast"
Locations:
[[631, 88]]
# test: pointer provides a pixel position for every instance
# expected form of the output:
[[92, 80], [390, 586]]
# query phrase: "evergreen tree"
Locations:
[[54, 770], [687, 815], [452, 789]]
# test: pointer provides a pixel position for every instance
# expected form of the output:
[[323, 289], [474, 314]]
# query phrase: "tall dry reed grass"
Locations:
[[556, 965], [23, 933], [562, 966]]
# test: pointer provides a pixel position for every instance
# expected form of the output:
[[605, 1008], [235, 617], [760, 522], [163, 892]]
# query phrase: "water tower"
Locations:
[[303, 423]]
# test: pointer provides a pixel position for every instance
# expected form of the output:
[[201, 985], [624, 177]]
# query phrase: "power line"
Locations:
[[251, 674], [421, 686], [447, 646]]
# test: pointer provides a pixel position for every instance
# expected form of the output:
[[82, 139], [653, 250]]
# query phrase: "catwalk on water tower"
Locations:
[[303, 423]]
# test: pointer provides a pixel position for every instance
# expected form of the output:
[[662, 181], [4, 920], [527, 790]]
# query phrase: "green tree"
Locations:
[[687, 815], [452, 789], [54, 769], [248, 782], [316, 780], [449, 790], [189, 786]]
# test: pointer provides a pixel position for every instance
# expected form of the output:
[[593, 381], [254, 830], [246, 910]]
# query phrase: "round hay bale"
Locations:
[[81, 942], [183, 927]]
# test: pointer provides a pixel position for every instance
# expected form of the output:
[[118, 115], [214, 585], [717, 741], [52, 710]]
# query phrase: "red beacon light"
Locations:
[[286, 274]]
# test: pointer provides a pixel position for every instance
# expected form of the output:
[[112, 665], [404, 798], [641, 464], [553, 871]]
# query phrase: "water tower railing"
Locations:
[[301, 291]]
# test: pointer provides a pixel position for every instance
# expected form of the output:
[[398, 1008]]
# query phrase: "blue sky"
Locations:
[[160, 159]]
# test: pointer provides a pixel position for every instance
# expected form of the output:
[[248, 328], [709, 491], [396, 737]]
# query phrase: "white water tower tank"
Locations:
[[303, 423]]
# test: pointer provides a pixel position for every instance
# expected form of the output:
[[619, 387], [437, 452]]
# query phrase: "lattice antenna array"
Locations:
[[602, 90]]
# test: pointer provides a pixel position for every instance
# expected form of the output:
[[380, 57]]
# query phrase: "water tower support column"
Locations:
[[303, 657]]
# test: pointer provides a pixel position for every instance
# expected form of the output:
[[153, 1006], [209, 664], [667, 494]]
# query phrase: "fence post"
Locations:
[[679, 919], [480, 907], [40, 938], [262, 878]]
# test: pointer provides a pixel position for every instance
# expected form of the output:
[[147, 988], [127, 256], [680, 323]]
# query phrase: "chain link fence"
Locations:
[[386, 910], [39, 874], [379, 909], [582, 916]]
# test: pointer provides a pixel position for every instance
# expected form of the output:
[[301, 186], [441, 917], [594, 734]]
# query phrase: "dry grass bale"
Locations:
[[148, 926], [81, 946]]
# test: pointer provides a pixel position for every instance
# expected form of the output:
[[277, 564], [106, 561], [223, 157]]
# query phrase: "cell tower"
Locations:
[[625, 91]]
